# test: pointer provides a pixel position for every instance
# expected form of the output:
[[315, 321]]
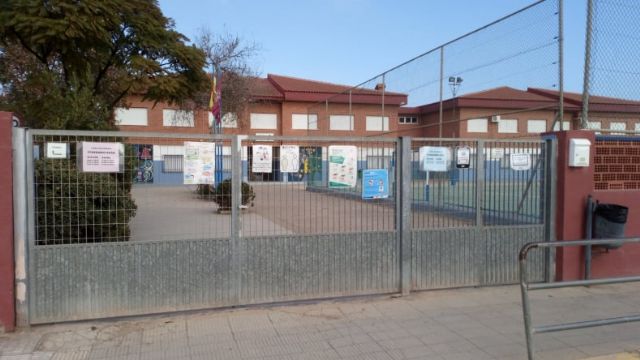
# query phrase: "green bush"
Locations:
[[77, 207], [221, 194]]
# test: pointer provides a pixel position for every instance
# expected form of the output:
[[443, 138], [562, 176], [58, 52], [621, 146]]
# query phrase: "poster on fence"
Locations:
[[463, 157], [289, 158], [56, 150], [199, 163], [375, 184], [343, 166], [435, 158], [520, 161], [143, 171], [261, 158], [100, 157]]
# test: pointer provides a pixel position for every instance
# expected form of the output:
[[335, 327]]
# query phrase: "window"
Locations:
[[618, 126], [509, 126], [566, 125], [304, 121], [341, 122], [477, 125], [229, 120], [536, 126], [172, 163], [377, 123], [408, 120], [178, 118], [132, 116], [594, 125], [264, 121]]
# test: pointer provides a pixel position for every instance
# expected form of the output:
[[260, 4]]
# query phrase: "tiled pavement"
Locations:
[[484, 323]]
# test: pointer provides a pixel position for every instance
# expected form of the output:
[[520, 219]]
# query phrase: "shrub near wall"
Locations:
[[75, 207]]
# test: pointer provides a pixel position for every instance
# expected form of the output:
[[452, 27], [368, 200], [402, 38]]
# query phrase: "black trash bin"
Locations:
[[609, 221]]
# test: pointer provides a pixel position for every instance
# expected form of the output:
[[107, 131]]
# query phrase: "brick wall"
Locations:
[[617, 164]]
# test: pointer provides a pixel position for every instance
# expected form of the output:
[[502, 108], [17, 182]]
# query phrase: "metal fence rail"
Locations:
[[525, 287]]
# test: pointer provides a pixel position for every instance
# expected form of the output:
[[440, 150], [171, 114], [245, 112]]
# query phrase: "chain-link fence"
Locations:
[[611, 95], [501, 80]]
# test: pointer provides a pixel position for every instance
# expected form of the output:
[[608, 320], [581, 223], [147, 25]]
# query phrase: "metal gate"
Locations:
[[133, 239]]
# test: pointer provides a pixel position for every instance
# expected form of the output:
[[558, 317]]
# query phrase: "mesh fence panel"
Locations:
[[613, 67], [144, 200], [295, 191], [429, 95]]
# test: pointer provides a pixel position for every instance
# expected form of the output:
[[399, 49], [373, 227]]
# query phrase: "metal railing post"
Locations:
[[403, 212], [526, 306]]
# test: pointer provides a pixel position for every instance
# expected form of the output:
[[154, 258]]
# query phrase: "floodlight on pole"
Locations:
[[454, 83]]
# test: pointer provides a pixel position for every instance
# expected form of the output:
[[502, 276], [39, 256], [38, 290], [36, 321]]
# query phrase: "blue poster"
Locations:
[[375, 184]]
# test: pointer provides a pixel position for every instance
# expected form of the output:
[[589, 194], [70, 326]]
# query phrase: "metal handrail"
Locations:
[[525, 287]]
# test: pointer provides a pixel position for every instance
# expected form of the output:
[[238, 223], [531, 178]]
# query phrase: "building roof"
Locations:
[[263, 89], [503, 97], [279, 87], [596, 103]]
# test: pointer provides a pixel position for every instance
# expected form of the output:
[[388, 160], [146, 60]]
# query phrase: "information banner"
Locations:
[[435, 158], [343, 166], [520, 161], [375, 184], [199, 163], [289, 158], [100, 157], [261, 158]]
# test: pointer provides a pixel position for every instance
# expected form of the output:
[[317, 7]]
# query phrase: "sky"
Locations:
[[350, 41]]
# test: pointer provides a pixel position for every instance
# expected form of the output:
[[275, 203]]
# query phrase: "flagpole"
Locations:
[[217, 126]]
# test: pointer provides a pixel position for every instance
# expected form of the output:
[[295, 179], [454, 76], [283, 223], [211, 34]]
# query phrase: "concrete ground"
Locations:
[[482, 323], [176, 212]]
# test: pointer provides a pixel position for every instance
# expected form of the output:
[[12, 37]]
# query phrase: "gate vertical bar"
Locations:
[[440, 114], [403, 212], [31, 220], [20, 228], [479, 182], [551, 147], [236, 219]]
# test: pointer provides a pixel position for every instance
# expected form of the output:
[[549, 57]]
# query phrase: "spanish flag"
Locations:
[[215, 99]]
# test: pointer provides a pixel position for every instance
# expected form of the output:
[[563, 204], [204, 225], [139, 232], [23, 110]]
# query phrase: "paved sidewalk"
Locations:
[[477, 324]]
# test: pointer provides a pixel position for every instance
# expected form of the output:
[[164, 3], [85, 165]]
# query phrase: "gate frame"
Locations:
[[25, 201]]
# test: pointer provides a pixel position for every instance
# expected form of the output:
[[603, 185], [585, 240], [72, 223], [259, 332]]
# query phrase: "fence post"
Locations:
[[22, 185], [403, 212], [584, 119], [236, 218], [479, 182]]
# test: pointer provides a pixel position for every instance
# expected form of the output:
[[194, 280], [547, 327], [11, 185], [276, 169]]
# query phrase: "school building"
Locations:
[[287, 106]]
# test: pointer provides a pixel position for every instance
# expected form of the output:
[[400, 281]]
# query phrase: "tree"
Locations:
[[67, 64], [226, 53]]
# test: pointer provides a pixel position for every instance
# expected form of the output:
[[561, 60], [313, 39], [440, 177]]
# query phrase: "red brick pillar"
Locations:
[[574, 185], [7, 298]]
